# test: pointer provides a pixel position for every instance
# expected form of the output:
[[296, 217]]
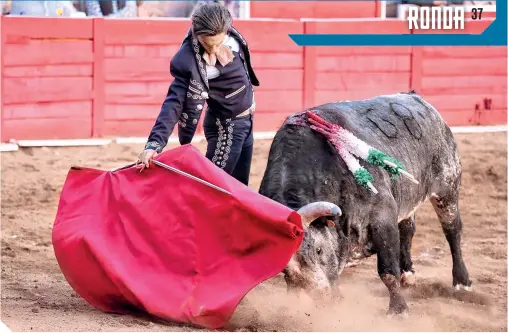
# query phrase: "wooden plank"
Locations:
[[41, 129], [457, 118], [329, 96], [344, 9], [48, 110], [466, 101], [277, 60], [137, 69], [269, 121], [270, 36], [374, 26], [357, 81], [460, 67], [143, 51], [168, 51], [494, 117], [136, 92], [131, 112], [364, 64], [456, 52], [145, 31], [113, 51], [284, 79], [466, 118], [279, 101], [362, 50], [27, 90], [149, 108], [312, 9], [151, 51], [48, 52], [21, 28], [490, 84], [131, 128], [49, 71]]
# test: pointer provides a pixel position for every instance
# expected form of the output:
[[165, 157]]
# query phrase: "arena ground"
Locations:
[[36, 297]]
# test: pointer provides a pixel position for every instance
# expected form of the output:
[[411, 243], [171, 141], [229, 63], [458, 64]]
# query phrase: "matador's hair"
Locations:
[[210, 19]]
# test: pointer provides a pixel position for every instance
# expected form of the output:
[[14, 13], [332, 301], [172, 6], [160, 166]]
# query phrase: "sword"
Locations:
[[177, 171], [190, 176]]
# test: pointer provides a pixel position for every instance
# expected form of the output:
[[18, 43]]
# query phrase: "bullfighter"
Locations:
[[213, 64]]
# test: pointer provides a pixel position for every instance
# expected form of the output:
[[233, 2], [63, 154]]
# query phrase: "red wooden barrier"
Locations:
[[314, 9], [346, 73], [47, 78], [78, 78], [278, 62], [466, 84], [136, 72]]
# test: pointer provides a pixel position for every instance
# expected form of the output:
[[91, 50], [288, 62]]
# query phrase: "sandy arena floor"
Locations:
[[36, 297]]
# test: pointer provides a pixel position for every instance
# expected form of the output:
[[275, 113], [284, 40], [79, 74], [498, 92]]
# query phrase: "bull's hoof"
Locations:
[[459, 286], [398, 308], [336, 295], [398, 312], [397, 315], [407, 279]]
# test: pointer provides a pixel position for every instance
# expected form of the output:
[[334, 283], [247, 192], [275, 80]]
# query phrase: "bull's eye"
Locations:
[[318, 250]]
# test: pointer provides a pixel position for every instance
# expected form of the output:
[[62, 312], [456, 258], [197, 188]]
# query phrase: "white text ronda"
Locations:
[[436, 18]]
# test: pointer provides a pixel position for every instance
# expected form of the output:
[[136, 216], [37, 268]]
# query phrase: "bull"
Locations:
[[344, 221]]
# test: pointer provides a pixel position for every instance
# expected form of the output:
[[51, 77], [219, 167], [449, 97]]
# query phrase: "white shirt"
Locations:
[[211, 71]]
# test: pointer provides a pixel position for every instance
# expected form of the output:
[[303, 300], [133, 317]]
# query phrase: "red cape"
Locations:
[[169, 245]]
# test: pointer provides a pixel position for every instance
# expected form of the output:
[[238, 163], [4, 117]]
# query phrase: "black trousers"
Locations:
[[230, 145]]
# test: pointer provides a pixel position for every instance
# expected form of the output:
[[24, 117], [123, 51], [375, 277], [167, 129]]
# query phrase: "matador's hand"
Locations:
[[145, 156]]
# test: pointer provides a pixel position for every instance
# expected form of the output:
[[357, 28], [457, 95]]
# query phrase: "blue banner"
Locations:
[[494, 35]]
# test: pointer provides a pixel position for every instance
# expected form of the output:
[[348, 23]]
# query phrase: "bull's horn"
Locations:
[[312, 211]]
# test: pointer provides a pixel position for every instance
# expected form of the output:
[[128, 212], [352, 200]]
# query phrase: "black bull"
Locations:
[[303, 168]]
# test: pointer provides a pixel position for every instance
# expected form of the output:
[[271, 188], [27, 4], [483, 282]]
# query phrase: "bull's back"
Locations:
[[401, 124], [302, 163]]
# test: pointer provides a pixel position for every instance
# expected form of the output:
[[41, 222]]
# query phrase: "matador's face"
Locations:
[[212, 43]]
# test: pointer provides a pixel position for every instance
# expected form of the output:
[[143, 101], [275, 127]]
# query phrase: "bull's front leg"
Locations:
[[386, 242], [407, 229]]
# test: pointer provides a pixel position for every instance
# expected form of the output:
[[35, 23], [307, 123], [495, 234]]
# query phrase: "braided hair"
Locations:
[[210, 19]]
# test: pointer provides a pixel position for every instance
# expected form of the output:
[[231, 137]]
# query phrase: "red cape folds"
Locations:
[[169, 245]]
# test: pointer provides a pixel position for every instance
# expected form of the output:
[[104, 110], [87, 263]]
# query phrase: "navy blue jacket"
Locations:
[[188, 92]]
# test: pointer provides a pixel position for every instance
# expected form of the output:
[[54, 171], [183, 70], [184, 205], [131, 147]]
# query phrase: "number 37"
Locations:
[[477, 13]]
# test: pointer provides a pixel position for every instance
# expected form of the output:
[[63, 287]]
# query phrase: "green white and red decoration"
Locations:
[[349, 146]]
